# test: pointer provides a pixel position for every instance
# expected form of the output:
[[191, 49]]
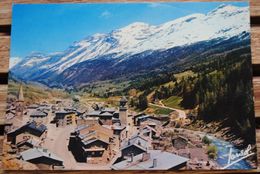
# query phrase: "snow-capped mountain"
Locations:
[[139, 38]]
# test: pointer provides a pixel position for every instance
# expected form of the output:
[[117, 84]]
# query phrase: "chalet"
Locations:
[[180, 142], [120, 131], [30, 132], [27, 144], [108, 116], [134, 146], [143, 119], [136, 118], [87, 120], [91, 143], [148, 131], [44, 108], [41, 156], [38, 116], [93, 114], [105, 115], [152, 160], [63, 118]]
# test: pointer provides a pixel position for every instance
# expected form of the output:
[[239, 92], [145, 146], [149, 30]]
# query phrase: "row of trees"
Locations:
[[221, 89]]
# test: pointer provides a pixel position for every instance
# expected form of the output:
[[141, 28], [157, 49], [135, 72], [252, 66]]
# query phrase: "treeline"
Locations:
[[221, 90]]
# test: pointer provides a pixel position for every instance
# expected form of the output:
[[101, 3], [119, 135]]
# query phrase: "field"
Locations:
[[158, 110], [34, 93], [173, 102]]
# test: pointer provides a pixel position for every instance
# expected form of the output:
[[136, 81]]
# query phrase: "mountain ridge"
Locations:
[[138, 38]]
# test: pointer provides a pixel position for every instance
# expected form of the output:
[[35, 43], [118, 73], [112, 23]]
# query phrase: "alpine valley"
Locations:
[[185, 85], [192, 63], [139, 48]]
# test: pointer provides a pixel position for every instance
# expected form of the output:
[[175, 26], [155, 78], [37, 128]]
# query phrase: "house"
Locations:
[[134, 146], [120, 131], [27, 144], [108, 116], [105, 115], [38, 116], [91, 143], [136, 118], [30, 133], [150, 121], [180, 142], [152, 160], [63, 118], [148, 131], [41, 156], [87, 120], [143, 119]]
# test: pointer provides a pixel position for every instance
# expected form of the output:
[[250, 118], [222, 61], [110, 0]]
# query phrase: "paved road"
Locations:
[[181, 113]]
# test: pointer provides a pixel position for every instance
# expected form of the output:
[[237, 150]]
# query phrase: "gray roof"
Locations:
[[118, 127], [108, 110], [81, 127], [37, 153], [137, 141], [143, 116], [91, 140], [33, 106], [165, 161], [41, 128], [106, 114], [93, 113], [83, 136], [38, 113], [30, 127]]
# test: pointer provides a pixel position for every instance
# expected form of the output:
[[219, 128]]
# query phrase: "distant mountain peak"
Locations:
[[224, 22], [226, 8]]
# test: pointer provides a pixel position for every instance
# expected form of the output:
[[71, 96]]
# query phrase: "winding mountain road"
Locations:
[[181, 113]]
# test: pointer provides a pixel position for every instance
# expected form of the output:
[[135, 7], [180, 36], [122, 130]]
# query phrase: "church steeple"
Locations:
[[20, 94], [123, 111], [123, 101], [20, 102]]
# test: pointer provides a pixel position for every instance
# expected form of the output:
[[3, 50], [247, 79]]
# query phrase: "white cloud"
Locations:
[[105, 14], [14, 61]]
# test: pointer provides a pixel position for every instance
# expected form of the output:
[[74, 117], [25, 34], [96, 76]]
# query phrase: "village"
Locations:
[[62, 135]]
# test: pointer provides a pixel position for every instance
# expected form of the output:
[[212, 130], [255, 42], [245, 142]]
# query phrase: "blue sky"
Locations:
[[50, 28]]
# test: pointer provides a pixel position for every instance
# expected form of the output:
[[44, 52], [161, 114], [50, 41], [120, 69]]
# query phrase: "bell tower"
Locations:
[[20, 102], [123, 110]]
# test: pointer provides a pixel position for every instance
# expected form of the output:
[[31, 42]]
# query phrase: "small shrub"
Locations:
[[206, 140], [212, 151]]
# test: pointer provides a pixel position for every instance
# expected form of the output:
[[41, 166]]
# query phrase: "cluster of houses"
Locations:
[[122, 140], [113, 137], [26, 137]]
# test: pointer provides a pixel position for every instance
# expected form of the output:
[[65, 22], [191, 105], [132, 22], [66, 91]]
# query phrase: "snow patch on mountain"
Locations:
[[223, 22]]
